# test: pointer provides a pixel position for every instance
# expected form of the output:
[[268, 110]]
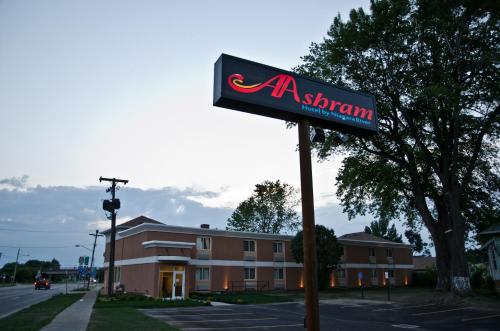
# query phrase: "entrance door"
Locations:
[[172, 282], [179, 284], [166, 284]]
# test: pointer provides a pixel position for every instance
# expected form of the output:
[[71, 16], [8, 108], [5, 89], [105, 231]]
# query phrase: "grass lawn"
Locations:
[[38, 315], [120, 312], [124, 318], [245, 297]]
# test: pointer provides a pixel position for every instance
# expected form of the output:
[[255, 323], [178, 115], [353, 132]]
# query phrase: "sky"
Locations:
[[124, 89]]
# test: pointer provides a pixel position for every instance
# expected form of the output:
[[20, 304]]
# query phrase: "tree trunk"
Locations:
[[460, 281], [442, 263]]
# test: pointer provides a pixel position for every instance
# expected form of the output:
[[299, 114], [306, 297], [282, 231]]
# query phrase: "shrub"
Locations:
[[477, 277], [427, 278]]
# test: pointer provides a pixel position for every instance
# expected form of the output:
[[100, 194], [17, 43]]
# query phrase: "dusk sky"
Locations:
[[124, 89]]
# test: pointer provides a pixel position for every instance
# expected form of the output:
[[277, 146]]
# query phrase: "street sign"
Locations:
[[82, 270], [263, 90], [81, 259], [86, 262]]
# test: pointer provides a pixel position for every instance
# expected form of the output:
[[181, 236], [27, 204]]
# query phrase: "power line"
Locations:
[[44, 231], [17, 246]]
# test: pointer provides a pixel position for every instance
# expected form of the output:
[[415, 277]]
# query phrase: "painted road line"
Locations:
[[173, 310], [406, 307], [405, 326], [440, 311], [225, 320], [249, 327], [480, 318], [210, 314], [162, 314]]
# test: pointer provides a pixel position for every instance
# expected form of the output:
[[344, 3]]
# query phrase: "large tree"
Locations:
[[433, 69], [381, 229], [270, 209], [327, 252]]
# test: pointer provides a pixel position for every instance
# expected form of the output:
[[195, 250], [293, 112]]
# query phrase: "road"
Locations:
[[336, 315], [14, 298]]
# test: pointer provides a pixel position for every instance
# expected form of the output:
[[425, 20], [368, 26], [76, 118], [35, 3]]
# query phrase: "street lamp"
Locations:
[[78, 245]]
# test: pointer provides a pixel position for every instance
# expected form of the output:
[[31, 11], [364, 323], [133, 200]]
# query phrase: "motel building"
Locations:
[[372, 261], [168, 261]]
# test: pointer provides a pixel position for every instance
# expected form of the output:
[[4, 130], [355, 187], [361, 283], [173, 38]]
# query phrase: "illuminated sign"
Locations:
[[263, 90]]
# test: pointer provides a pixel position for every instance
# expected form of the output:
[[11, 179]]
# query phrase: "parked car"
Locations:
[[42, 283]]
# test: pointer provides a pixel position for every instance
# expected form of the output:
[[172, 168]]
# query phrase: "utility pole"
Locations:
[[15, 266], [309, 233], [93, 251], [111, 206]]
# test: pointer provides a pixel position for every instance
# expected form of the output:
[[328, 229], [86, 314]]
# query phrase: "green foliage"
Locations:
[[327, 250], [381, 229], [415, 239], [428, 278], [433, 69], [481, 279], [270, 209], [26, 272], [242, 298]]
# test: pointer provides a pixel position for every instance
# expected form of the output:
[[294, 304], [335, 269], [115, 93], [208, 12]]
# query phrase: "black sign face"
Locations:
[[259, 89]]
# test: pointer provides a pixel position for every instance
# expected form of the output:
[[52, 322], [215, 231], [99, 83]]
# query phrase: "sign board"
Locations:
[[86, 262], [82, 270], [81, 259], [263, 90], [386, 274]]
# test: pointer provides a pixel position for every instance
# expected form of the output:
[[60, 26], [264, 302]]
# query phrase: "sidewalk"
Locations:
[[76, 317]]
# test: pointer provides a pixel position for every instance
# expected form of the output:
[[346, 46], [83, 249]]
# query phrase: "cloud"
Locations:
[[180, 209], [62, 216], [14, 182]]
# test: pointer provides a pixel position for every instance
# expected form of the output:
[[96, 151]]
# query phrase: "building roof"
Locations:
[[494, 229], [367, 238], [148, 224], [423, 262], [133, 222]]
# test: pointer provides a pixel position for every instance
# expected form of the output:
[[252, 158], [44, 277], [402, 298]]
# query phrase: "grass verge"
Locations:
[[120, 313], [124, 318], [38, 315], [244, 297]]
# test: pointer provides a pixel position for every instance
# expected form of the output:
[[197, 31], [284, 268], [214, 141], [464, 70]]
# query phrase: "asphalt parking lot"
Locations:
[[335, 315]]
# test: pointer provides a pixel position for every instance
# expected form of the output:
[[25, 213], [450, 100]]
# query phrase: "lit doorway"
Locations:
[[172, 282]]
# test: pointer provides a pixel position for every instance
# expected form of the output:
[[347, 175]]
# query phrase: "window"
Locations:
[[202, 274], [371, 251], [278, 274], [277, 247], [203, 243], [117, 274], [249, 245], [341, 273], [389, 252], [391, 273], [249, 273], [341, 250], [373, 273]]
